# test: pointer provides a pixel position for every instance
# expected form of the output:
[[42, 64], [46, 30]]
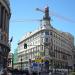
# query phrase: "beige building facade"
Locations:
[[48, 43]]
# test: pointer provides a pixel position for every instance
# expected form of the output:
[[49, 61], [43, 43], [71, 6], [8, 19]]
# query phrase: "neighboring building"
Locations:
[[74, 59], [4, 33], [47, 43], [10, 60], [15, 58]]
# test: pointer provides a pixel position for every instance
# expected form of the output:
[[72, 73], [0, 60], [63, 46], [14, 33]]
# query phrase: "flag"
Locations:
[[11, 39]]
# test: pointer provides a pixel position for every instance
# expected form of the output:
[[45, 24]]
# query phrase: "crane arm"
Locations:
[[40, 10], [26, 20], [46, 11], [61, 17]]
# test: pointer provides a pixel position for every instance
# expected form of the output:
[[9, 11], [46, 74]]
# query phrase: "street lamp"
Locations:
[[21, 62]]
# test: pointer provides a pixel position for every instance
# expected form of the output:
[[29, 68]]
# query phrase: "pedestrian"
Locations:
[[34, 73]]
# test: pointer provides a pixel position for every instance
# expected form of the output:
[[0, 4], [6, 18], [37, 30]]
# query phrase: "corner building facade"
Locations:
[[4, 32], [48, 43]]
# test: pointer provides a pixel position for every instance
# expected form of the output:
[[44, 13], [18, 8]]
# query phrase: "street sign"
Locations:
[[35, 64], [46, 62], [38, 60]]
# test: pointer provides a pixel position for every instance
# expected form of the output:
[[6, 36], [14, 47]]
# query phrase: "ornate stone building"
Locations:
[[4, 32], [46, 42]]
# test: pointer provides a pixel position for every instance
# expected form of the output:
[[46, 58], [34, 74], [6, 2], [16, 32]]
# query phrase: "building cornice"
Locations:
[[31, 34], [6, 4], [60, 33]]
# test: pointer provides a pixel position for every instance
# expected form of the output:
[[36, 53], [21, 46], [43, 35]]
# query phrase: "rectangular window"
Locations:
[[50, 33], [0, 36], [1, 16], [46, 39], [74, 56], [46, 32], [4, 20]]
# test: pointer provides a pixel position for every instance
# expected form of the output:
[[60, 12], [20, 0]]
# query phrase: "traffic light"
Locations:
[[25, 46]]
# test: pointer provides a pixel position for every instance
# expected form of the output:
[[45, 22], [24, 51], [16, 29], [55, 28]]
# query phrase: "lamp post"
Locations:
[[12, 61], [21, 63]]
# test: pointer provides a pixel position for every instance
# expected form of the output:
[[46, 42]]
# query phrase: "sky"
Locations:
[[26, 10]]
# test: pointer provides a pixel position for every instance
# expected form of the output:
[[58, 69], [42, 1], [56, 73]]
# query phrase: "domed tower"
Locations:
[[4, 33]]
